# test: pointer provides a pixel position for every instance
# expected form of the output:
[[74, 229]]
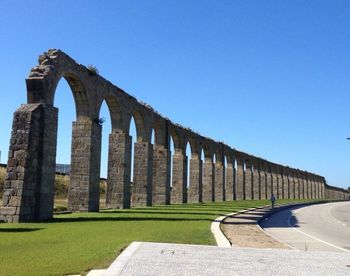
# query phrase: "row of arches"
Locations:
[[174, 165], [165, 163]]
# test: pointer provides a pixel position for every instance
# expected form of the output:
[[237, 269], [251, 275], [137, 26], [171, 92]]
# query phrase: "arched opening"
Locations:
[[85, 147], [67, 114], [244, 180], [134, 138], [153, 137], [142, 161], [235, 178], [188, 170], [106, 123], [213, 188], [225, 178], [253, 181], [172, 151], [201, 160]]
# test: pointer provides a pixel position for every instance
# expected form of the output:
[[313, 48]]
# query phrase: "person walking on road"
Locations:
[[273, 199]]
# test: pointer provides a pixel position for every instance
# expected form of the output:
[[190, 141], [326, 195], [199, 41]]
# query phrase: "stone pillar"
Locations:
[[289, 195], [309, 186], [161, 175], [196, 188], [300, 184], [240, 180], [269, 183], [29, 183], [119, 171], [322, 190], [208, 179], [303, 178], [317, 188], [291, 185], [296, 186], [229, 182], [306, 186], [179, 189], [248, 177], [141, 190], [274, 182], [263, 176], [256, 193], [84, 188], [219, 180], [279, 183], [314, 187], [285, 185]]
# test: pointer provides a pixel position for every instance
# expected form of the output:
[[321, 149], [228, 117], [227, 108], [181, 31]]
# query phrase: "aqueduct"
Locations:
[[29, 185]]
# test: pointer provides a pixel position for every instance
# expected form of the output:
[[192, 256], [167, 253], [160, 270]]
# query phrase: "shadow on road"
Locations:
[[281, 219]]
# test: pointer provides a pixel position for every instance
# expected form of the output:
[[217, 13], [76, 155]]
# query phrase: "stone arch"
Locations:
[[35, 130], [256, 181], [239, 158], [162, 159], [208, 170], [176, 137], [140, 125], [142, 186], [160, 128], [248, 177], [230, 174], [219, 183], [118, 123], [195, 168], [179, 165], [269, 179], [263, 179], [44, 78]]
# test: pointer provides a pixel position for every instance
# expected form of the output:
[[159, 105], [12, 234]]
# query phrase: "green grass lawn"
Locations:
[[76, 243]]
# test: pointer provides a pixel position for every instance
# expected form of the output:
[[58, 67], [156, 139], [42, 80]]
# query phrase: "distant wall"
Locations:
[[336, 193]]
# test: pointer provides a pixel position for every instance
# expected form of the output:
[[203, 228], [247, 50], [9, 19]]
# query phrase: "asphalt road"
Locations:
[[321, 227]]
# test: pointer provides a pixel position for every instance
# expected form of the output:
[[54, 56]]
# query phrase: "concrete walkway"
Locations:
[[142, 258]]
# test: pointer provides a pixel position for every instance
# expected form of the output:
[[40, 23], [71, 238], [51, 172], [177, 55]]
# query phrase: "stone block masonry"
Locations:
[[29, 184]]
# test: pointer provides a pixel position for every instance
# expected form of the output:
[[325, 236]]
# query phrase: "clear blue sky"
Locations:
[[271, 78]]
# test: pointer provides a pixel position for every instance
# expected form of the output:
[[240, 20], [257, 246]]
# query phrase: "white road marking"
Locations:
[[317, 239]]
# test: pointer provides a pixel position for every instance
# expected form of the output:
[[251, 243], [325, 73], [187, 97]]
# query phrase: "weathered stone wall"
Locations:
[[335, 193], [29, 185]]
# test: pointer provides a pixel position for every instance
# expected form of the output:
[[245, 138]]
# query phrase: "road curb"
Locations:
[[219, 236]]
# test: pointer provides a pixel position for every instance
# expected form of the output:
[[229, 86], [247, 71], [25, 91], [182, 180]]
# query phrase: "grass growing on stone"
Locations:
[[76, 243]]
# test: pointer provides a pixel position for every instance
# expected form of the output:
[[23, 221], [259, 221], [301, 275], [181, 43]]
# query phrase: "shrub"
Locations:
[[92, 70], [61, 185], [2, 180]]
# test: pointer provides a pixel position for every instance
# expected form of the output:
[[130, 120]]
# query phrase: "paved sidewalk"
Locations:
[[142, 258]]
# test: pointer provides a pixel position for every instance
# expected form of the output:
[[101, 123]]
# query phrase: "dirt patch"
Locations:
[[242, 231]]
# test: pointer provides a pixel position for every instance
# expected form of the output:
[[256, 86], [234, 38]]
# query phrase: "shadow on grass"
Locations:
[[246, 217], [156, 212], [91, 219], [239, 222], [19, 230]]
